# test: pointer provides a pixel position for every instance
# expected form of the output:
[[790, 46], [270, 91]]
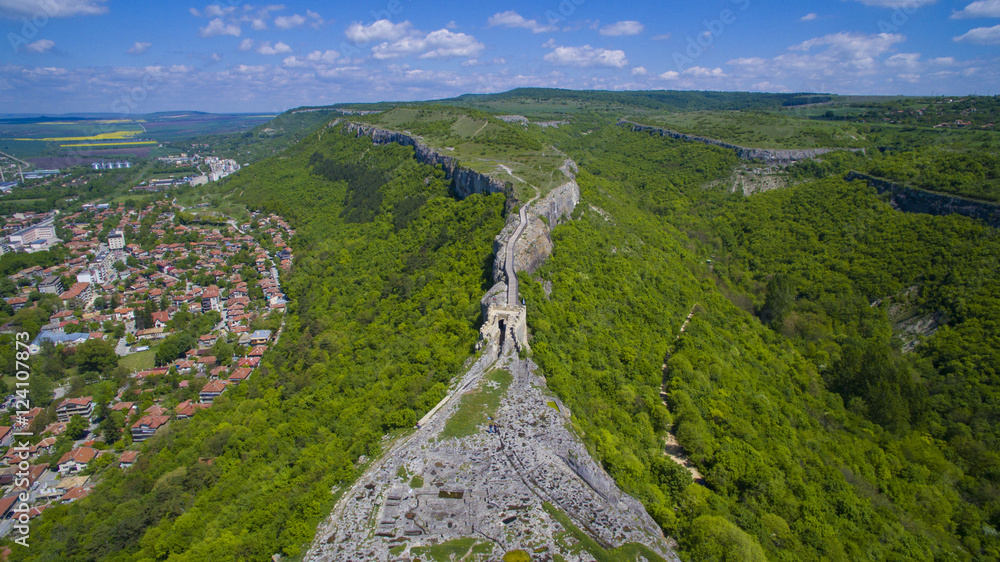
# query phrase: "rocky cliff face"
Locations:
[[535, 244], [913, 200], [465, 181], [772, 157]]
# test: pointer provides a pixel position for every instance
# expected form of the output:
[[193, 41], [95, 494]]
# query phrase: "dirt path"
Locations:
[[672, 448]]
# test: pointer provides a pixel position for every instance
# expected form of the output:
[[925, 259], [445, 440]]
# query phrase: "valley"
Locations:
[[590, 340]]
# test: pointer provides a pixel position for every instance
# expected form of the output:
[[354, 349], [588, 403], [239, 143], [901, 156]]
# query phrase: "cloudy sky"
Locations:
[[63, 56]]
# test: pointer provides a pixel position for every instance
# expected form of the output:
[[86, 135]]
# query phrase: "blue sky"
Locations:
[[62, 56]]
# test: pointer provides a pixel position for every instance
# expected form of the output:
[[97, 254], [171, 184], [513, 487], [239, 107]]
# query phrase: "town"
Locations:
[[149, 316]]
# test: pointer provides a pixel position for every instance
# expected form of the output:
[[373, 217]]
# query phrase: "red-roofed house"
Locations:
[[83, 406], [75, 494], [76, 460], [127, 459], [186, 409], [212, 390], [147, 426]]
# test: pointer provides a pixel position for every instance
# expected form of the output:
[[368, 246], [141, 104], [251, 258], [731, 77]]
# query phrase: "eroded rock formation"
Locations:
[[769, 156]]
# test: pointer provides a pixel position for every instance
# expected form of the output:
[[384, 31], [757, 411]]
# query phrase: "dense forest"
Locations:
[[384, 314], [836, 386], [816, 435]]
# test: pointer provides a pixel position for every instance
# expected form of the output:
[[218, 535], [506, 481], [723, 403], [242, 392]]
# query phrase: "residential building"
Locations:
[[116, 240], [76, 460], [51, 285], [127, 459], [212, 390], [147, 426], [83, 406], [210, 299], [78, 295]]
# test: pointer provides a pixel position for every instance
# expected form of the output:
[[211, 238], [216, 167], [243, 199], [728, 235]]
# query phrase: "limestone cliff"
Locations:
[[773, 157], [465, 181], [913, 200], [535, 245]]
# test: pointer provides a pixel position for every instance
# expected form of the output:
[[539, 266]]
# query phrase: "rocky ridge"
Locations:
[[494, 485], [912, 200], [769, 156]]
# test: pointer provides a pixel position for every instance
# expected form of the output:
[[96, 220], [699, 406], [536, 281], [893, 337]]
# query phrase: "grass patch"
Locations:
[[553, 405], [627, 552], [455, 549], [417, 481], [477, 405], [139, 361]]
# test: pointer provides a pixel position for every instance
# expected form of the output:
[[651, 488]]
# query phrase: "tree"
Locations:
[[96, 355], [100, 303], [779, 299], [77, 427], [111, 426]]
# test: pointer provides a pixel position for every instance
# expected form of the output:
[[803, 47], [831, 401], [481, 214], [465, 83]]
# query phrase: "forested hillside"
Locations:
[[817, 436], [836, 386], [385, 303]]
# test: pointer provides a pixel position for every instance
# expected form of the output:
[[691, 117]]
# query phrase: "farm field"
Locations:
[[34, 137]]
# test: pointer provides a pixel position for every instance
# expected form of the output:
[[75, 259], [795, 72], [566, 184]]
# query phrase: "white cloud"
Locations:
[[982, 36], [513, 19], [279, 48], [661, 37], [766, 86], [246, 44], [14, 9], [40, 46], [809, 17], [639, 71], [853, 45], [586, 57], [317, 20], [907, 61], [220, 27], [911, 4], [670, 75], [620, 28], [440, 43], [381, 30], [250, 69], [258, 24], [289, 22], [702, 72], [979, 9], [217, 11], [328, 56], [139, 48]]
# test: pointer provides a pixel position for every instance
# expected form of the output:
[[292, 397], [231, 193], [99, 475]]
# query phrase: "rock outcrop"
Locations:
[[771, 157], [913, 200], [465, 182]]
